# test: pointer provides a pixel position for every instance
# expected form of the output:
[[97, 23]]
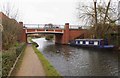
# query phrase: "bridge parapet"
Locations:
[[42, 26], [44, 31], [47, 26]]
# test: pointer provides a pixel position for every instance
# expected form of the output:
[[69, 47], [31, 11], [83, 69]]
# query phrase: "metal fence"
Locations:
[[43, 26], [46, 26], [79, 27]]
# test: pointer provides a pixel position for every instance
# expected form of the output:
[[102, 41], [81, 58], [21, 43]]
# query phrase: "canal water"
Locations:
[[76, 61]]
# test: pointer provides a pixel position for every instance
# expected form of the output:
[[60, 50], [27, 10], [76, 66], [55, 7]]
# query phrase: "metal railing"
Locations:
[[79, 27], [43, 26]]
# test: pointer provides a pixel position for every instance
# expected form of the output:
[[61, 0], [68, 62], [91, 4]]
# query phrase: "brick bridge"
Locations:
[[63, 34]]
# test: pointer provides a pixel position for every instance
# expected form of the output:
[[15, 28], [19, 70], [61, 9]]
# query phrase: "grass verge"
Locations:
[[49, 69]]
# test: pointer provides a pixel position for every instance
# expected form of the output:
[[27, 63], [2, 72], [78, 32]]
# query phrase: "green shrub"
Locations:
[[16, 44], [9, 57], [20, 48]]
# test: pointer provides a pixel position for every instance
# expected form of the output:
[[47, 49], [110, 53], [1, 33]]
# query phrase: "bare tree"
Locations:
[[10, 10], [11, 32], [1, 29], [101, 13], [11, 28]]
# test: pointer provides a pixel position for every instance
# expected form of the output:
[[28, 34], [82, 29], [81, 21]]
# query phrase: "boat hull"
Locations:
[[73, 43]]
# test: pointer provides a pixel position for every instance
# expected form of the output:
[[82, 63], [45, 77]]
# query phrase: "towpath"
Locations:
[[31, 65]]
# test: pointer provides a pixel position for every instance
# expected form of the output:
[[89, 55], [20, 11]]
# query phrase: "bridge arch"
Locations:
[[62, 35]]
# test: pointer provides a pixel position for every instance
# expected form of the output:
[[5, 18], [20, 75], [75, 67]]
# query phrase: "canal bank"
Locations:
[[30, 65], [75, 61], [48, 67]]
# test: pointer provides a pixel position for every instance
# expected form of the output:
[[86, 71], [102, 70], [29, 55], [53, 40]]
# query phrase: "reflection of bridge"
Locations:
[[63, 33]]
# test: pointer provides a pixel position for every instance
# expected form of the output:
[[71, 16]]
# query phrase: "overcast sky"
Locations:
[[47, 11]]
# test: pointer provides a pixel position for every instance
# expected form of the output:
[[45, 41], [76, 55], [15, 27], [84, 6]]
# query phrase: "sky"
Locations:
[[47, 11]]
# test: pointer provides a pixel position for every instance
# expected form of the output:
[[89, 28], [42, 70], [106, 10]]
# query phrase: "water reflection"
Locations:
[[74, 61]]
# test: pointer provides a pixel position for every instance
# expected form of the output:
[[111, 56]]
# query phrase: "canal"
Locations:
[[76, 61]]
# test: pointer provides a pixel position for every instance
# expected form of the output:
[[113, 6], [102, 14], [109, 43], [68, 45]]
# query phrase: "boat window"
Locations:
[[76, 42], [91, 42], [81, 42], [96, 43], [87, 42]]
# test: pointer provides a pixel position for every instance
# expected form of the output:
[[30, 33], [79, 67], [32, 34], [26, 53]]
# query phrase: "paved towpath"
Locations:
[[31, 65]]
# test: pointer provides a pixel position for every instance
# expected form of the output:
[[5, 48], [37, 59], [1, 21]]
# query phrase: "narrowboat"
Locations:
[[97, 43]]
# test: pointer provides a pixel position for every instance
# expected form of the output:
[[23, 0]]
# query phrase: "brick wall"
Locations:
[[5, 20], [77, 34]]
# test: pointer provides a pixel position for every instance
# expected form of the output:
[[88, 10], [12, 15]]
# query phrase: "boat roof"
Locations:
[[90, 39]]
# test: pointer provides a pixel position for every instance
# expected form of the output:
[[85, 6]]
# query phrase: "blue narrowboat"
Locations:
[[97, 43]]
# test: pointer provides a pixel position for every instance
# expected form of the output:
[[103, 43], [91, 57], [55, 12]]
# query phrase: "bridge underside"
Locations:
[[44, 33]]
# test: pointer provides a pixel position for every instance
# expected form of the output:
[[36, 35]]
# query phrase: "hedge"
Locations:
[[9, 57]]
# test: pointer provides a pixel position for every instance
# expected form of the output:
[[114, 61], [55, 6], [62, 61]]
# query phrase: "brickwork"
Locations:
[[23, 34], [5, 19], [69, 35], [65, 38], [77, 34]]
